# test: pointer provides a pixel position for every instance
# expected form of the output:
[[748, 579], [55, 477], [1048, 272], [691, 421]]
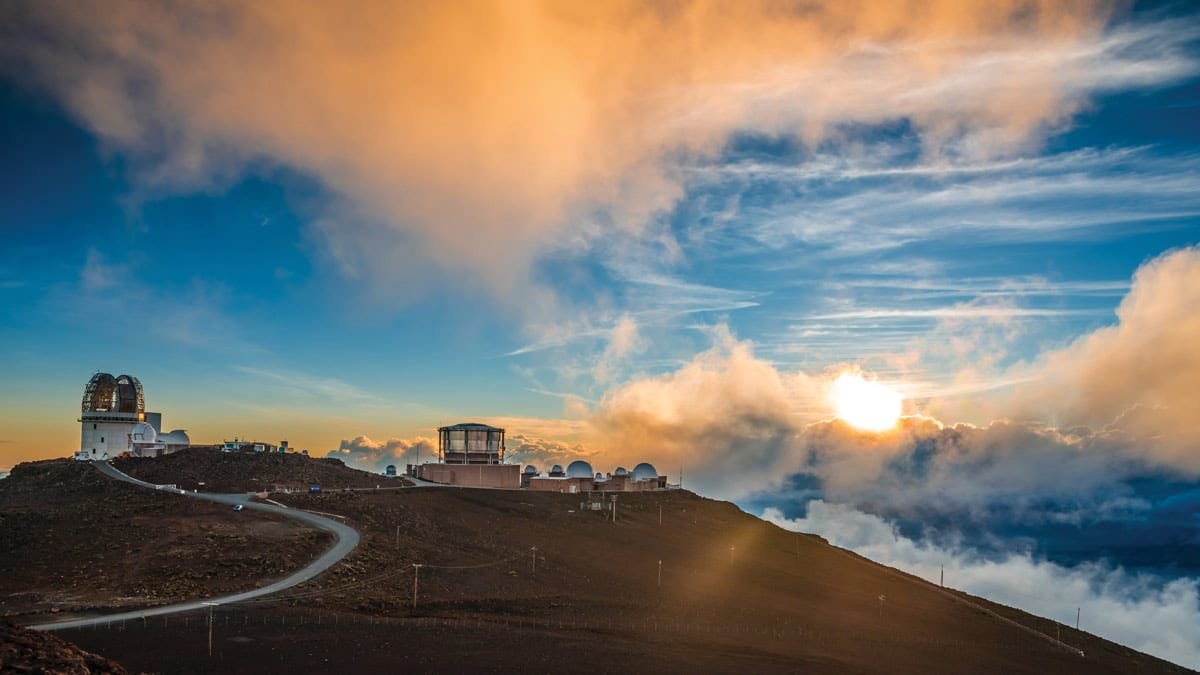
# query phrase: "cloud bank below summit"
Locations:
[[1160, 618]]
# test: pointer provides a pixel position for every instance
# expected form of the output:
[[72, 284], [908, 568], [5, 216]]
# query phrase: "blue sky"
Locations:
[[622, 247]]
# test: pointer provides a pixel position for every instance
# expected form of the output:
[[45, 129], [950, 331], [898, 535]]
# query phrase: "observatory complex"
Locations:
[[472, 455], [578, 477], [115, 422]]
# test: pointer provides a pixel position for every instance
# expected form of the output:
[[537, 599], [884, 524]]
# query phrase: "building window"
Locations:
[[93, 426], [101, 439]]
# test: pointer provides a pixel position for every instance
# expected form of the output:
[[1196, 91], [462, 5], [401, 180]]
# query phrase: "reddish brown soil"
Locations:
[[73, 540], [778, 602], [29, 651], [211, 470]]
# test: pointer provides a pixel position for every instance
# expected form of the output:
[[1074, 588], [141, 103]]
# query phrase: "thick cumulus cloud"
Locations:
[[1149, 614], [726, 417], [923, 466], [1116, 404], [363, 453], [452, 136], [1136, 378], [740, 426]]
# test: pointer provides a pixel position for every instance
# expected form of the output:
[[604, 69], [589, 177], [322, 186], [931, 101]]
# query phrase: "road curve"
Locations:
[[346, 540]]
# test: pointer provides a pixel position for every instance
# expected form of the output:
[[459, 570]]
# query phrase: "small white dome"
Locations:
[[143, 434], [175, 437]]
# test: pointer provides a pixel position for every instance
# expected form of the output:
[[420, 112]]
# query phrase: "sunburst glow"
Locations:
[[866, 404]]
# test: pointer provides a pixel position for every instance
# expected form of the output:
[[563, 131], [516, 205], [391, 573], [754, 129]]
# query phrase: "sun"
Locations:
[[865, 404]]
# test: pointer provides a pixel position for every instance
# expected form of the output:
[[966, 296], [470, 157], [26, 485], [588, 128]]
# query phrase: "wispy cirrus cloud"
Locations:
[[955, 312], [308, 385], [881, 199]]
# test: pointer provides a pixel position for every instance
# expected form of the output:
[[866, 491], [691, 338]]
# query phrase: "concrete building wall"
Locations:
[[507, 476], [617, 483], [563, 485], [104, 439]]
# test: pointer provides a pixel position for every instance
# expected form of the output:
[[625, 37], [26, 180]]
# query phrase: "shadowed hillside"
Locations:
[[73, 540], [737, 595], [30, 651]]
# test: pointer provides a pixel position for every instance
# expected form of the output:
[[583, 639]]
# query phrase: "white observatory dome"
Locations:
[[143, 434], [556, 470], [175, 437], [579, 469], [530, 470], [621, 471], [644, 471]]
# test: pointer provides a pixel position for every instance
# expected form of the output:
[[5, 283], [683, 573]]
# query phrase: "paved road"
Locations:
[[347, 539]]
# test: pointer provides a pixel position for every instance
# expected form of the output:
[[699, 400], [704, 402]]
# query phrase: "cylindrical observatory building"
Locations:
[[115, 422], [471, 455], [112, 407], [471, 444]]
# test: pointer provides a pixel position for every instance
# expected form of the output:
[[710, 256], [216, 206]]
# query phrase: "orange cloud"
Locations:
[[475, 136], [1136, 378]]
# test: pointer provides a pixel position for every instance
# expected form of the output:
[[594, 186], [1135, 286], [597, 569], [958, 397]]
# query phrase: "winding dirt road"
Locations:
[[346, 540]]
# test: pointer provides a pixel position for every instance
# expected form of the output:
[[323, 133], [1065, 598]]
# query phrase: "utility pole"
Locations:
[[416, 575], [660, 574], [1077, 609], [533, 560], [942, 583], [210, 626], [614, 507]]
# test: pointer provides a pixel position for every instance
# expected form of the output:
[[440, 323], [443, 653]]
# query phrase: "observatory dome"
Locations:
[[644, 471], [621, 471], [143, 433], [530, 470], [175, 437], [579, 469], [107, 394], [556, 470]]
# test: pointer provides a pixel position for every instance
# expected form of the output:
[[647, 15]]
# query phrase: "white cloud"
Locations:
[[956, 312], [370, 455], [879, 198]]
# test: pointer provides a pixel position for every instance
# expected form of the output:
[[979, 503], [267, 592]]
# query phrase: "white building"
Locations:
[[115, 422]]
